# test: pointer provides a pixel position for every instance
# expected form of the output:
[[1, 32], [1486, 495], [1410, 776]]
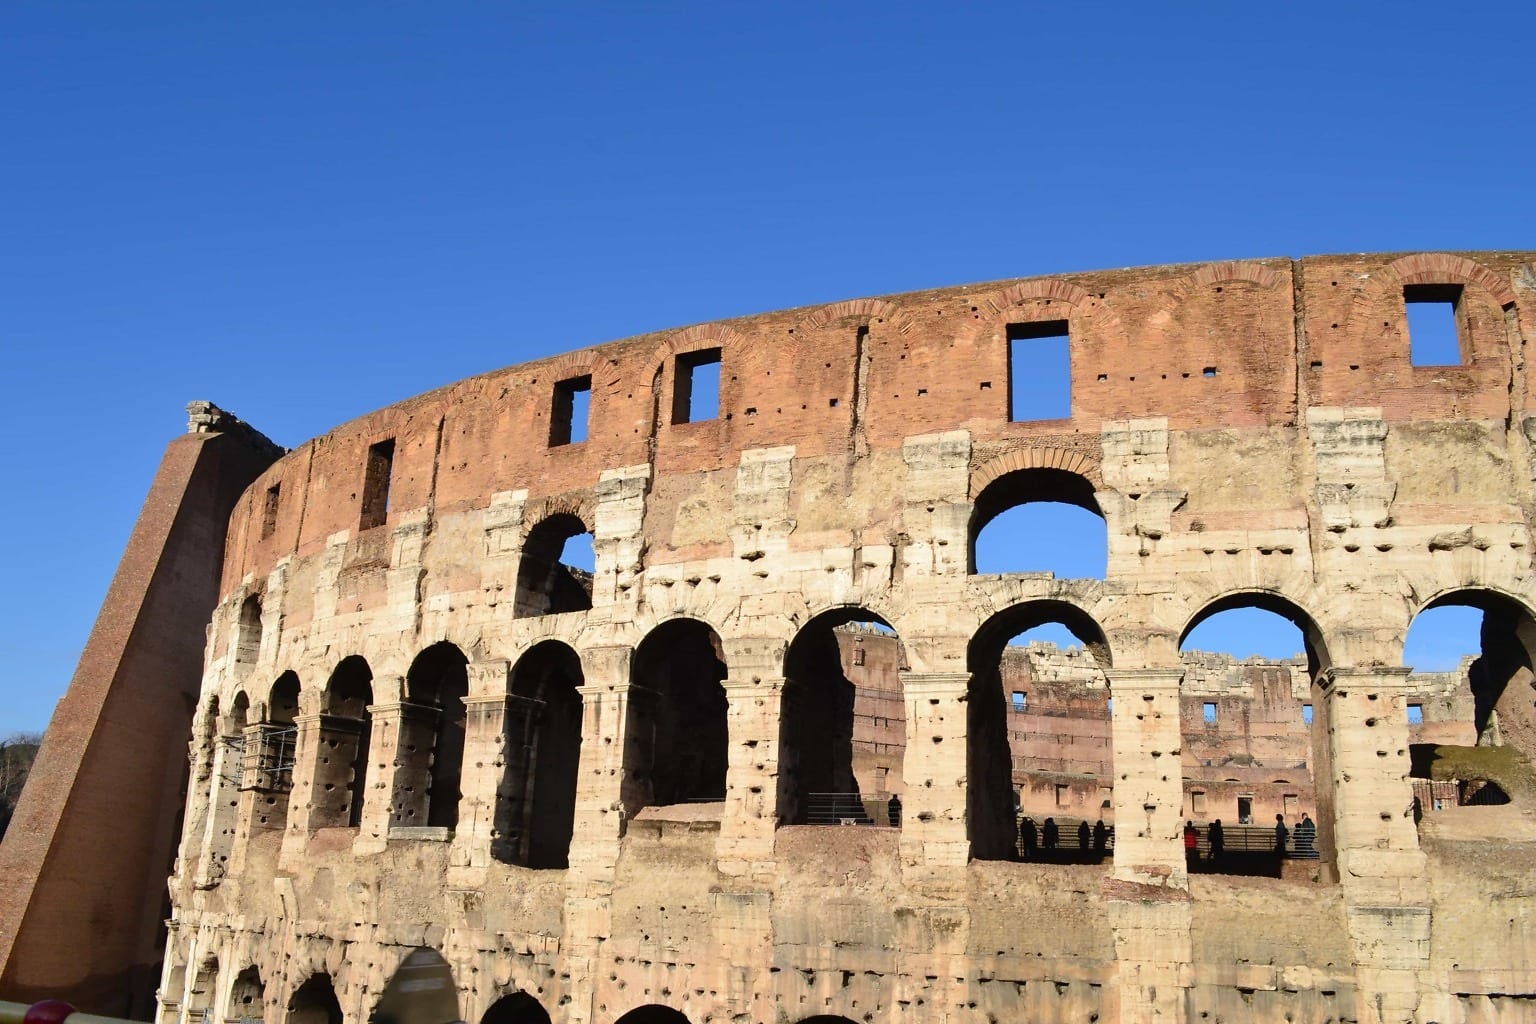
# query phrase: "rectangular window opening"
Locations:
[[381, 462], [696, 386], [1039, 371], [1433, 319], [1306, 713], [269, 511], [1208, 712], [1063, 794], [1020, 701], [1415, 714], [1197, 802], [568, 416]]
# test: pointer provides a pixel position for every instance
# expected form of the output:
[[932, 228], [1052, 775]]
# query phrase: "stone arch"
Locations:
[[823, 317], [1213, 275], [697, 338], [545, 584], [314, 1002], [248, 630], [247, 996], [1441, 267], [1318, 659], [676, 751], [1503, 676], [838, 675], [653, 1013], [345, 735], [989, 756], [1082, 303], [1028, 485], [536, 801], [1035, 456], [431, 748], [516, 1008]]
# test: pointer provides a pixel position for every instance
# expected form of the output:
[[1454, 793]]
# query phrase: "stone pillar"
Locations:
[[483, 772], [373, 830], [1147, 894], [218, 838], [752, 776], [1375, 839], [599, 822], [933, 815]]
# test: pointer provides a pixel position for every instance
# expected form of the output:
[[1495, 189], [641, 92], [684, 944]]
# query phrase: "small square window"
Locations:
[[568, 415], [696, 386], [1208, 712], [1415, 714], [1433, 313], [1039, 371], [1020, 701]]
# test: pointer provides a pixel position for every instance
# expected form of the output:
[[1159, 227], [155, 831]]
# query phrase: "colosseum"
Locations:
[[774, 758]]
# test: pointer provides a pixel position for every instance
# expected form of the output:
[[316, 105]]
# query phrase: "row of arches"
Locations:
[[314, 1000], [842, 729]]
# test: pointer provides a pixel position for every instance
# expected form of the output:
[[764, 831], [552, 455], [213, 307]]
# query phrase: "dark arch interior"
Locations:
[[652, 1014], [842, 722], [240, 711], [536, 804], [677, 718], [439, 680], [989, 753], [248, 633], [517, 1008], [347, 733], [545, 585], [315, 1002], [283, 704], [1022, 487], [1312, 636]]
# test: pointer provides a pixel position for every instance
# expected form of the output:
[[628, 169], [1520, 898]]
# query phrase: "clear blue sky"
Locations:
[[307, 211]]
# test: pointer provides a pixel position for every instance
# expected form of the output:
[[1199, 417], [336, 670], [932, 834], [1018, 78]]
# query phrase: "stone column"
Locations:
[[482, 774], [933, 816], [599, 822], [217, 841], [1147, 893], [373, 830], [1374, 838], [752, 776]]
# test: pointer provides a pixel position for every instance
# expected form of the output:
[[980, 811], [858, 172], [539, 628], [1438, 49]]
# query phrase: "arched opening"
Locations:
[[421, 991], [314, 1002], [1039, 754], [341, 774], [246, 996], [555, 573], [248, 631], [1471, 707], [1253, 749], [269, 767], [676, 748], [517, 1008], [435, 686], [1039, 520], [536, 810], [652, 1014], [842, 724], [204, 988]]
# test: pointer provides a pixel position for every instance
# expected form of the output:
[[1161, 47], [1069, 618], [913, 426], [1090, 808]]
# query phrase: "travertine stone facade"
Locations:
[[599, 792]]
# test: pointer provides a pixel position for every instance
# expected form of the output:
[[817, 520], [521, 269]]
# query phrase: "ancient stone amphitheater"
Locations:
[[659, 791]]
